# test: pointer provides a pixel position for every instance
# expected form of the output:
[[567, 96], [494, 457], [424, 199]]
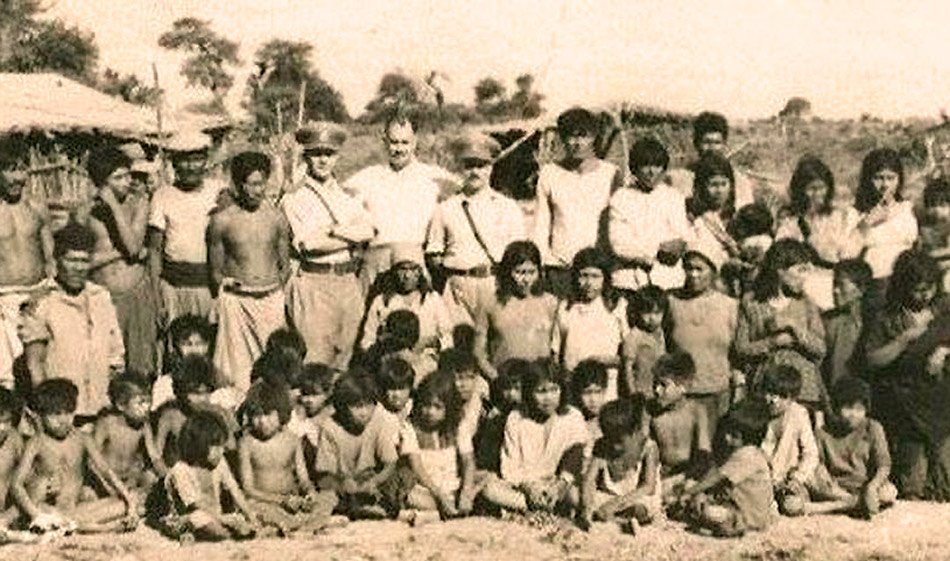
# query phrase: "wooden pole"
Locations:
[[300, 102], [158, 120]]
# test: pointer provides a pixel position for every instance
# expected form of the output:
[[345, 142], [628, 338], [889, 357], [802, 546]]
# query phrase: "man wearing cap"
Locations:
[[178, 254], [248, 252], [470, 231], [400, 196], [119, 219], [26, 264], [572, 195], [327, 226]]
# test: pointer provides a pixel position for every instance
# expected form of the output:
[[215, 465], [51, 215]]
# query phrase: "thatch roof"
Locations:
[[50, 102]]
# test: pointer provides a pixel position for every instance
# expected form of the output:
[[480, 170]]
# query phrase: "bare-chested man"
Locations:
[[249, 252], [26, 264], [119, 219]]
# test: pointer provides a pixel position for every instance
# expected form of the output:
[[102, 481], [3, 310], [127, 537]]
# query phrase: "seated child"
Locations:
[[312, 404], [789, 442], [505, 397], [644, 342], [11, 446], [855, 462], [124, 435], [273, 469], [192, 385], [679, 426], [442, 462], [48, 482], [462, 368], [287, 340], [399, 339], [543, 452], [196, 483], [356, 454], [189, 335], [588, 387], [736, 497], [844, 324], [395, 381], [623, 480]]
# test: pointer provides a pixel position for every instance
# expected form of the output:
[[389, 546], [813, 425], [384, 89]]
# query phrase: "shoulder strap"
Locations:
[[478, 237], [325, 204]]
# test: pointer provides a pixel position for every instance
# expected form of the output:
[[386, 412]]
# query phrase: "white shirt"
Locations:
[[885, 241], [499, 222], [570, 205], [310, 221], [183, 216], [401, 203]]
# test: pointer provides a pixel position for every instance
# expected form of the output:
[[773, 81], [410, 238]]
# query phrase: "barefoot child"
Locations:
[[196, 484], [124, 435], [845, 323], [505, 397], [588, 389], [855, 462], [49, 479], [192, 387], [273, 471], [680, 426], [623, 480], [313, 390], [11, 446], [736, 497], [395, 381], [645, 341]]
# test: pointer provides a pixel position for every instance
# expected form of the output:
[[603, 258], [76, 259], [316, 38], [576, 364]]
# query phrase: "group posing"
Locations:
[[410, 344]]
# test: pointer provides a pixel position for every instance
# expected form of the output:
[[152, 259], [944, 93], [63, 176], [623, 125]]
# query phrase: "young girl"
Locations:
[[645, 341], [443, 464], [778, 324], [195, 485], [592, 323], [543, 451], [520, 323], [505, 397], [713, 205], [405, 287], [887, 226], [702, 322], [906, 351], [623, 480]]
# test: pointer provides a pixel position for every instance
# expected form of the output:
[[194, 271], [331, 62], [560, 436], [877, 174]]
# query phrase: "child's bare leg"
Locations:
[[504, 495], [830, 507], [102, 515], [421, 498]]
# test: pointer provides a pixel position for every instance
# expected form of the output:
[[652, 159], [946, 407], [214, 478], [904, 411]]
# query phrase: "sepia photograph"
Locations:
[[576, 280]]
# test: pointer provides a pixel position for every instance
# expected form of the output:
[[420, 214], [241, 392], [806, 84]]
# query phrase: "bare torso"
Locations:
[[123, 448], [273, 463], [21, 246], [251, 244], [57, 474], [675, 431], [11, 446], [111, 268]]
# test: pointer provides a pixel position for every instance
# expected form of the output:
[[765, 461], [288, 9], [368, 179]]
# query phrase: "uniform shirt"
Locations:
[[183, 217], [401, 203], [499, 222], [569, 210], [310, 221], [83, 342]]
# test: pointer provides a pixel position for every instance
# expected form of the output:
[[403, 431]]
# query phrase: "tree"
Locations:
[[127, 87], [282, 68], [209, 55], [31, 45], [490, 100], [526, 103], [795, 108]]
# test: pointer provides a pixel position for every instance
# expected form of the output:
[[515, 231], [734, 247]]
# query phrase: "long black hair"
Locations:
[[515, 254]]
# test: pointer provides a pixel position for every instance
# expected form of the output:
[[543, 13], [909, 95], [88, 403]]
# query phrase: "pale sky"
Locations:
[[741, 57]]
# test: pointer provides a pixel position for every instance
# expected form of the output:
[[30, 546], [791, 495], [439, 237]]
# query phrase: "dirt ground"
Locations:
[[909, 531]]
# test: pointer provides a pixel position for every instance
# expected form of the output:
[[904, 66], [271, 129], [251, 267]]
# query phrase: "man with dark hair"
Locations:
[[400, 196], [571, 197], [119, 219], [26, 264], [72, 332], [248, 251]]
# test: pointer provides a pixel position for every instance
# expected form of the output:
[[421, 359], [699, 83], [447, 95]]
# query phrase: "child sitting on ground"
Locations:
[[357, 452], [11, 446], [644, 342], [395, 381], [192, 385], [48, 482], [623, 480], [312, 404], [124, 435], [273, 469], [736, 497], [845, 323], [505, 396], [855, 462], [195, 486], [789, 442], [588, 384], [680, 426]]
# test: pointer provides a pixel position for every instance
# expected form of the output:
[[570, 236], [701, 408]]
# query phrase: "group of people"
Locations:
[[410, 344]]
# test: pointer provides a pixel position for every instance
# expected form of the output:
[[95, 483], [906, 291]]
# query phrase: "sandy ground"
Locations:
[[909, 531]]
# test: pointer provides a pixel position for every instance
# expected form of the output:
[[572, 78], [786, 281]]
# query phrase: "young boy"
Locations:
[[623, 480], [679, 426], [357, 451], [736, 497], [588, 385], [855, 462], [313, 389], [248, 254], [48, 481], [472, 389], [192, 385], [645, 342], [189, 335], [11, 446], [395, 381], [124, 435], [273, 469], [789, 442], [843, 324]]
